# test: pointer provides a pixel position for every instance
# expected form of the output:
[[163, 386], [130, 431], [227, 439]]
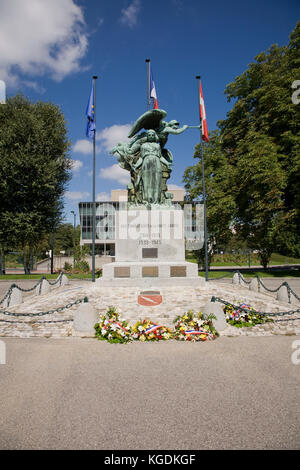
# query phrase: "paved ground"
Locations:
[[233, 393]]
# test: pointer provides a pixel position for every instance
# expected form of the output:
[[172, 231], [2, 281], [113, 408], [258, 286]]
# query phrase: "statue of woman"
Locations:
[[150, 161]]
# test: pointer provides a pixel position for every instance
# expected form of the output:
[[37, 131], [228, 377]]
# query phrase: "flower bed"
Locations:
[[239, 317], [194, 327], [113, 329], [146, 330]]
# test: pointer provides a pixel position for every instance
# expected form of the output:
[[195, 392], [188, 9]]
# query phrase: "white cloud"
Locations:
[[110, 136], [129, 15], [76, 195], [76, 165], [83, 146], [41, 37], [102, 196], [116, 173]]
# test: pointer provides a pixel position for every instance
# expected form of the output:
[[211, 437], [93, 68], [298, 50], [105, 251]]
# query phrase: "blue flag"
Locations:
[[90, 113]]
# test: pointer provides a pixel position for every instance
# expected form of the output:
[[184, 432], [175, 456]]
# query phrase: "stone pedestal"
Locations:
[[85, 319], [150, 248], [14, 298]]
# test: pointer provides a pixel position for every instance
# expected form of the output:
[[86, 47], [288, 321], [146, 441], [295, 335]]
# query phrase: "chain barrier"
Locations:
[[59, 279], [242, 278], [40, 314], [39, 283], [290, 291], [42, 322], [247, 310]]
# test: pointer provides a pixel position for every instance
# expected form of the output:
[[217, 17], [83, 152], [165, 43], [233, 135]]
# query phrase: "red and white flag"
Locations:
[[152, 93], [203, 115]]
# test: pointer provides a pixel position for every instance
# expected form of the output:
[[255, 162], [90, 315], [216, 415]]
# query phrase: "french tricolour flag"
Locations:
[[203, 115], [152, 93]]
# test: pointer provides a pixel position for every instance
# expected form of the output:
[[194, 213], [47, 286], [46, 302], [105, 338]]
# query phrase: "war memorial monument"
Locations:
[[147, 276], [150, 237]]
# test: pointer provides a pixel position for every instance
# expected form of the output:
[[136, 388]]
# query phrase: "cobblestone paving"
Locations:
[[176, 300]]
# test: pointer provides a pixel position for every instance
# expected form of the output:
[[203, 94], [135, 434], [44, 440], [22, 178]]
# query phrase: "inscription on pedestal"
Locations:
[[149, 253], [122, 271], [178, 271], [150, 271]]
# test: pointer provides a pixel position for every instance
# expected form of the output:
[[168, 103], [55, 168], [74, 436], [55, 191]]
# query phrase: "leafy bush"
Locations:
[[81, 266], [67, 267]]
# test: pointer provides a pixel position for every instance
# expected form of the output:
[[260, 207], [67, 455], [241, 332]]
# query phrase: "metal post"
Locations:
[[203, 186], [52, 252], [74, 237], [148, 83], [94, 186]]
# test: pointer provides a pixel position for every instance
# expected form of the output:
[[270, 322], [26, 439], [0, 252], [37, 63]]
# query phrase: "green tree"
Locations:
[[64, 239], [259, 185], [264, 113], [220, 197], [33, 174]]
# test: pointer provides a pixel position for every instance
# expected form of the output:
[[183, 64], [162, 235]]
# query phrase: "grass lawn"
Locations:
[[13, 277], [275, 274], [243, 260]]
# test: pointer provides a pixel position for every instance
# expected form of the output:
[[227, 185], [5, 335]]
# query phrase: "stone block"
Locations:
[[216, 309], [282, 294], [294, 300], [236, 278], [254, 285], [15, 298], [43, 289], [64, 280], [85, 318]]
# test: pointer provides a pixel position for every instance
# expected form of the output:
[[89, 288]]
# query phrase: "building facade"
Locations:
[[106, 221]]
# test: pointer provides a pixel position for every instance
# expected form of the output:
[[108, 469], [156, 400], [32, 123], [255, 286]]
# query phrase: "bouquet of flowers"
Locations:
[[194, 327], [146, 330], [239, 317], [113, 329]]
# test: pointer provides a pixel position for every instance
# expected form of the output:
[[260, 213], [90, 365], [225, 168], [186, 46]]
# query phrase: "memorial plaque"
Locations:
[[122, 271], [150, 252], [178, 271], [150, 271]]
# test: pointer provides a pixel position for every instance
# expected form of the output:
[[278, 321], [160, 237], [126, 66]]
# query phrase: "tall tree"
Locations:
[[34, 172], [220, 198], [253, 163], [264, 112]]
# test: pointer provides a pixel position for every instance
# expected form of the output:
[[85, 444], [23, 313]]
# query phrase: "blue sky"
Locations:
[[58, 45]]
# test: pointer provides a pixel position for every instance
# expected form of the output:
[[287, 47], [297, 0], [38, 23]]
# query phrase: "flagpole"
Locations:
[[94, 186], [203, 185], [148, 83]]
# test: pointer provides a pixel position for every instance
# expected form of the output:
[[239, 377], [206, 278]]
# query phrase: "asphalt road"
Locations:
[[232, 393]]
